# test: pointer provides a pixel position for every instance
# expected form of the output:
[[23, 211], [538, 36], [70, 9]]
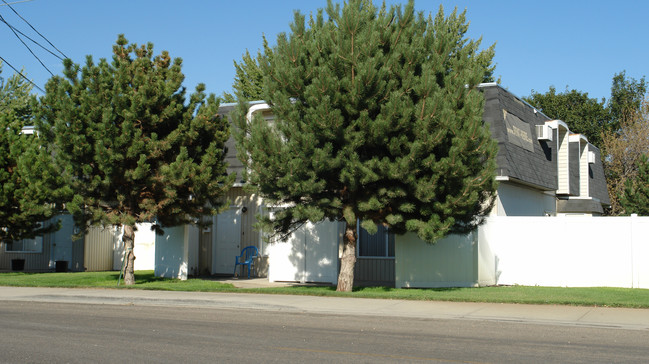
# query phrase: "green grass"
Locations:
[[591, 296], [598, 296], [143, 280]]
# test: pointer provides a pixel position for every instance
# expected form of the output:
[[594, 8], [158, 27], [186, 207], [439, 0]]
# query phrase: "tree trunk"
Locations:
[[129, 255], [348, 260]]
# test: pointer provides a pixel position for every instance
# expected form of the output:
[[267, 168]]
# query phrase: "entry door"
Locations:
[[226, 240], [205, 251], [62, 240]]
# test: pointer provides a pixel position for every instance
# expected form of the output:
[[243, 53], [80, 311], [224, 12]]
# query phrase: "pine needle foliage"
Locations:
[[130, 146], [29, 186], [377, 118]]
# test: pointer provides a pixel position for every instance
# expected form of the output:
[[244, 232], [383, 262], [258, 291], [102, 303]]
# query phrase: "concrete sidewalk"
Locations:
[[623, 318]]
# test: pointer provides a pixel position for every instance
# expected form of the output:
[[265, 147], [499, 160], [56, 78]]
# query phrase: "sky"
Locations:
[[573, 44]]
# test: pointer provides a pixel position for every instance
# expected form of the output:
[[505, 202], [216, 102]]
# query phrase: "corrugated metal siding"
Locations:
[[34, 262], [98, 249], [261, 267], [374, 271], [77, 256]]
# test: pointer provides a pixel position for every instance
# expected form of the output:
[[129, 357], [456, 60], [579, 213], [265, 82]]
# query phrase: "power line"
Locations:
[[15, 2], [25, 44], [21, 75], [25, 20], [26, 36]]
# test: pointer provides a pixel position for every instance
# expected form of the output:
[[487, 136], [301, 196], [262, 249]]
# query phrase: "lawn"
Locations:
[[597, 296], [143, 279]]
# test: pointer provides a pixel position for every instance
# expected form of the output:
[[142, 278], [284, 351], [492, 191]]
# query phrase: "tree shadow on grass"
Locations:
[[142, 277], [312, 287]]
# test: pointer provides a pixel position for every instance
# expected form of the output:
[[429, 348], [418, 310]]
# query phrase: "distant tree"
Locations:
[[29, 188], [635, 198], [618, 127], [583, 114], [130, 146], [626, 99], [226, 97], [590, 116], [378, 118], [249, 79], [624, 149], [627, 138]]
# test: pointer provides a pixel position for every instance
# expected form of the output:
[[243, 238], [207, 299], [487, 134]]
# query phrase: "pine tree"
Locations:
[[378, 118], [29, 188], [249, 79], [130, 146]]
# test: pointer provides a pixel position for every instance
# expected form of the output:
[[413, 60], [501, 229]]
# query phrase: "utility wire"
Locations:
[[26, 36], [21, 75], [25, 44], [16, 2], [25, 20]]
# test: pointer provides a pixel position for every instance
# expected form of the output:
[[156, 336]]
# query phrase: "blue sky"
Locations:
[[574, 43]]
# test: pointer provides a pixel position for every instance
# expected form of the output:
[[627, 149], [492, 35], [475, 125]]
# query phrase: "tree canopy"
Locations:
[[635, 198], [627, 95], [589, 116], [29, 188], [249, 78], [624, 150], [618, 127], [130, 146], [377, 118], [583, 114]]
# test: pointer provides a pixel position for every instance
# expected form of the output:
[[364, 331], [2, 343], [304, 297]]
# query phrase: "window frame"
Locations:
[[386, 245], [36, 241]]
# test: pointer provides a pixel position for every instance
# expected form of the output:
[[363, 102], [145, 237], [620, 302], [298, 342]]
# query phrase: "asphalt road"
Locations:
[[82, 333]]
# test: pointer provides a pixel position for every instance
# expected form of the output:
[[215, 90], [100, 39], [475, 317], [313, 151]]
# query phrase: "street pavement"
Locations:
[[603, 317]]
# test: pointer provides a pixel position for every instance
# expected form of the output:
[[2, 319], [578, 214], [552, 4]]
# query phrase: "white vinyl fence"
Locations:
[[568, 251]]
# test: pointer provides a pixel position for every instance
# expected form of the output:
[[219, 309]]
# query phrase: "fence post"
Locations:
[[634, 265]]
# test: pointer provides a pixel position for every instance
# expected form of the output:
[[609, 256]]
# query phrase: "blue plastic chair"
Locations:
[[247, 257]]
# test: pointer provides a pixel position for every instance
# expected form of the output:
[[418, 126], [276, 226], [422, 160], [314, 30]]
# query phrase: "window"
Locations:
[[379, 245], [25, 245]]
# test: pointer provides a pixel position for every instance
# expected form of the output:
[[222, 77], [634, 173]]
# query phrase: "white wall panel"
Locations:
[[566, 251]]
